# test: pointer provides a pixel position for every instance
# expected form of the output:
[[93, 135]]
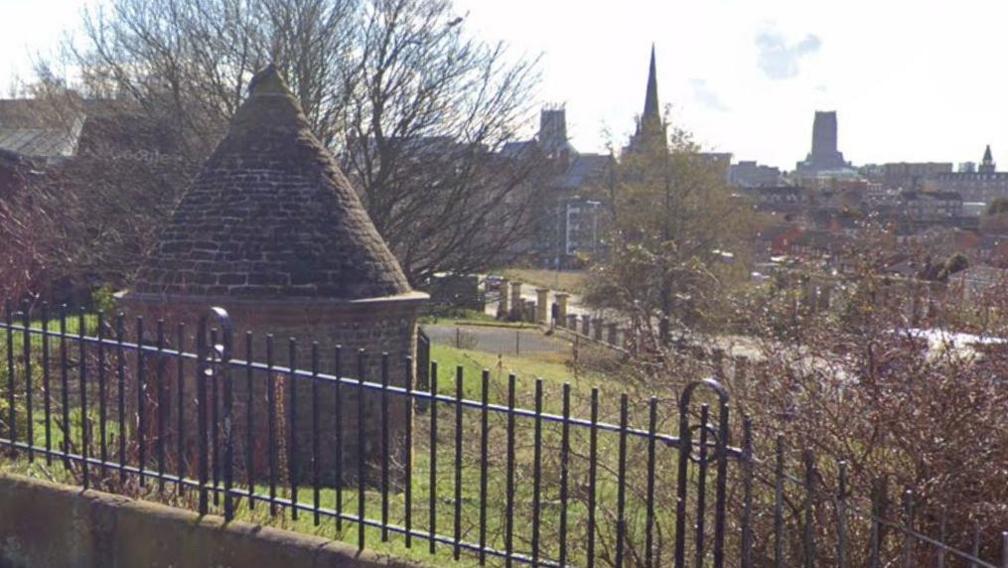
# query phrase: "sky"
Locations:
[[911, 80]]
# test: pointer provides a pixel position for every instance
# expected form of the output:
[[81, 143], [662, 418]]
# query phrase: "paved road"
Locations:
[[499, 340]]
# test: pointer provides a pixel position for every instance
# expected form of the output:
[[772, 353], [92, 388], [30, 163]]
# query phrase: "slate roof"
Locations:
[[271, 216], [584, 170], [36, 129]]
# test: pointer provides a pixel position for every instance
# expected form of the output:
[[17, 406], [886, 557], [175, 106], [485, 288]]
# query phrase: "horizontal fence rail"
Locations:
[[493, 468]]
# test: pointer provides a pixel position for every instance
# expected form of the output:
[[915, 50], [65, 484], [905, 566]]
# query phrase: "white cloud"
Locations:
[[778, 59], [706, 96]]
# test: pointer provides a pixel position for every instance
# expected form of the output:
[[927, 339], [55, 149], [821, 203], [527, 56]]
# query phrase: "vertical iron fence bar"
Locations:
[[808, 535], [316, 458], [361, 469], [293, 453], [121, 392], [457, 551], [215, 403], [180, 433], [621, 482], [11, 424], [701, 505], [26, 345], [271, 425], [592, 472], [46, 382], [408, 489], [510, 489], [82, 375], [250, 437], [385, 448], [227, 340], [160, 405], [747, 497], [649, 521], [432, 490], [878, 512], [537, 472], [201, 404], [102, 395], [908, 543], [484, 461], [564, 470], [721, 491], [778, 522], [841, 511], [685, 448], [338, 434], [976, 545], [64, 386], [141, 386], [943, 531]]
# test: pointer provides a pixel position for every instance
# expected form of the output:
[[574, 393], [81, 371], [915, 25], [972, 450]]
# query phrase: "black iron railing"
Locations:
[[484, 467]]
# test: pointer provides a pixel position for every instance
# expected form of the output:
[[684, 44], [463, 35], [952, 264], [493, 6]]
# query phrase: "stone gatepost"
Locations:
[[542, 305], [825, 296], [613, 334], [741, 371], [561, 299], [502, 304], [572, 321], [517, 304]]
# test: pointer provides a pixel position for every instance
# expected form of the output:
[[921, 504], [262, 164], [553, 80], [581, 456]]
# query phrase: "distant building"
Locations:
[[987, 165], [824, 155], [42, 130], [752, 174], [786, 199], [553, 133], [904, 175], [650, 131], [568, 218], [932, 206], [983, 184], [55, 130]]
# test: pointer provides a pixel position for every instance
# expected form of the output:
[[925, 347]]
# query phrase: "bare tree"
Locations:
[[430, 108], [417, 107]]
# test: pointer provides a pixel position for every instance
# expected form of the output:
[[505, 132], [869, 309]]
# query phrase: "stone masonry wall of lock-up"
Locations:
[[385, 326]]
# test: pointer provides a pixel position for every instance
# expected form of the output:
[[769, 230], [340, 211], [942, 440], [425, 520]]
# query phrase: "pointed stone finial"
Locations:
[[268, 82]]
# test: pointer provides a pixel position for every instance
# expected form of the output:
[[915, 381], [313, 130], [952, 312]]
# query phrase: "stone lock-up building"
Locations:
[[272, 231]]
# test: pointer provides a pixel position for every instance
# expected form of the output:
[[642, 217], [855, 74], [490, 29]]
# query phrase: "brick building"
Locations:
[[272, 231]]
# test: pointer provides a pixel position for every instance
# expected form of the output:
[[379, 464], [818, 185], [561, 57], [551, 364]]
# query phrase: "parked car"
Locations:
[[493, 282]]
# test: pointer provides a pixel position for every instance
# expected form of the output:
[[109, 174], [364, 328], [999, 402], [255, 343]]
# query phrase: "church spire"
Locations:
[[650, 127], [651, 110], [987, 166]]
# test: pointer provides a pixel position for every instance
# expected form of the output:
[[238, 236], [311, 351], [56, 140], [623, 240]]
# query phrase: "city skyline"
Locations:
[[743, 79]]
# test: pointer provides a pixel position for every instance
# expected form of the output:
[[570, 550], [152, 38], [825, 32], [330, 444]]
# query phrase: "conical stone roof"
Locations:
[[271, 216]]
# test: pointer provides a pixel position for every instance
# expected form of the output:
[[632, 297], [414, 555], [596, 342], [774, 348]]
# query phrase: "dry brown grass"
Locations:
[[567, 281]]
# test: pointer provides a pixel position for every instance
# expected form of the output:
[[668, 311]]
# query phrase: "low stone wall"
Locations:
[[51, 525]]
